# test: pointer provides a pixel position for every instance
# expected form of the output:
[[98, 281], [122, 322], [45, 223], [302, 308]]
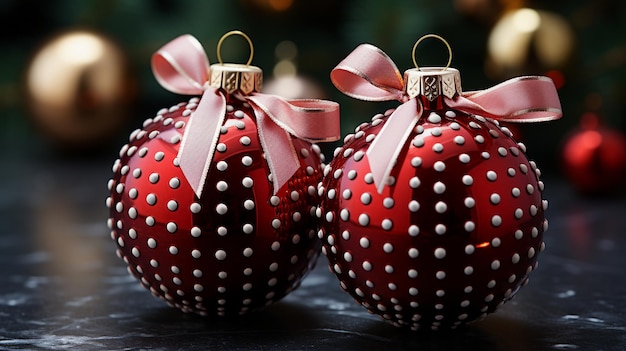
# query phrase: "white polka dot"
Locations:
[[221, 209], [388, 202], [516, 192], [247, 228], [496, 221], [533, 210], [441, 207], [195, 232], [247, 182], [441, 229], [492, 176], [387, 224], [248, 205], [171, 227], [438, 148], [469, 249], [469, 202], [172, 205], [364, 219], [439, 166], [464, 158], [195, 207], [388, 248], [366, 198], [494, 199], [364, 242], [221, 186], [440, 253], [367, 266], [276, 223], [434, 118], [222, 166], [151, 199], [174, 183], [246, 161], [173, 250], [495, 265], [515, 258], [220, 255], [413, 252], [413, 230], [152, 243], [469, 226], [414, 206], [154, 178], [416, 161], [439, 188]]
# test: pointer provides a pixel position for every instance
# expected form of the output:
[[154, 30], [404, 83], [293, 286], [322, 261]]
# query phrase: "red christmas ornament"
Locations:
[[220, 235], [432, 216], [594, 157]]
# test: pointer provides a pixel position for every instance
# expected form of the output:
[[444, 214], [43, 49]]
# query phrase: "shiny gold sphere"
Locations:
[[528, 41], [78, 88]]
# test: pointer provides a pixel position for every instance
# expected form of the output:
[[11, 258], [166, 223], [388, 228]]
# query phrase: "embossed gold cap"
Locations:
[[232, 77], [432, 82]]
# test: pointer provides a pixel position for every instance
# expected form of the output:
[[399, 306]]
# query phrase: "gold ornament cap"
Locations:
[[432, 82], [232, 77]]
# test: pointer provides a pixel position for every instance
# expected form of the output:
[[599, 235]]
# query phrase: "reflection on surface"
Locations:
[[64, 288]]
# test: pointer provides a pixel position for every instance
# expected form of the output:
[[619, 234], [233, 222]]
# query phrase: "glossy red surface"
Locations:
[[238, 247], [453, 235]]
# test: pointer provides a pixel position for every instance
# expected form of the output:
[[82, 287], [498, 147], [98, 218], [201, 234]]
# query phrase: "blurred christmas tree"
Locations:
[[324, 32]]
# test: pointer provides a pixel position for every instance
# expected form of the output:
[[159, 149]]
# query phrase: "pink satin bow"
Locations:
[[181, 66], [367, 73]]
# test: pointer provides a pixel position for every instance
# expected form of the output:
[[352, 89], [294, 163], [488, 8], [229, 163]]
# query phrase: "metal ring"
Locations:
[[436, 37], [233, 32]]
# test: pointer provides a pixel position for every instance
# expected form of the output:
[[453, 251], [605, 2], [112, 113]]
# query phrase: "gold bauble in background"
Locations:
[[527, 41], [79, 89]]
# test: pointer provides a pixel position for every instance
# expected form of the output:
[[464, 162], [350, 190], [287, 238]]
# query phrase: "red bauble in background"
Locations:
[[594, 157]]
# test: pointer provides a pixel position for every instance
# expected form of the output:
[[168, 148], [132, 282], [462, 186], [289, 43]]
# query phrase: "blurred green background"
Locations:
[[314, 36]]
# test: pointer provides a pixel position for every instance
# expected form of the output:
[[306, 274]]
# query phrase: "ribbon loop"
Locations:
[[179, 71], [368, 74], [181, 66]]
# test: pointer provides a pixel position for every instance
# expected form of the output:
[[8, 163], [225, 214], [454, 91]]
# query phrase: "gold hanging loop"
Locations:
[[234, 32], [436, 37]]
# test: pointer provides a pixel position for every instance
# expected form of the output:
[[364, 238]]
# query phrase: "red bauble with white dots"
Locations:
[[452, 236], [236, 248]]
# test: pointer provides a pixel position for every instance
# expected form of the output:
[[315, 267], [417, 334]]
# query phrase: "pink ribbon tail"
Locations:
[[523, 100], [200, 139], [311, 120], [390, 140]]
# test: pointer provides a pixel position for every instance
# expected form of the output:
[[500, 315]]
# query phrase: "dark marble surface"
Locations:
[[62, 287]]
